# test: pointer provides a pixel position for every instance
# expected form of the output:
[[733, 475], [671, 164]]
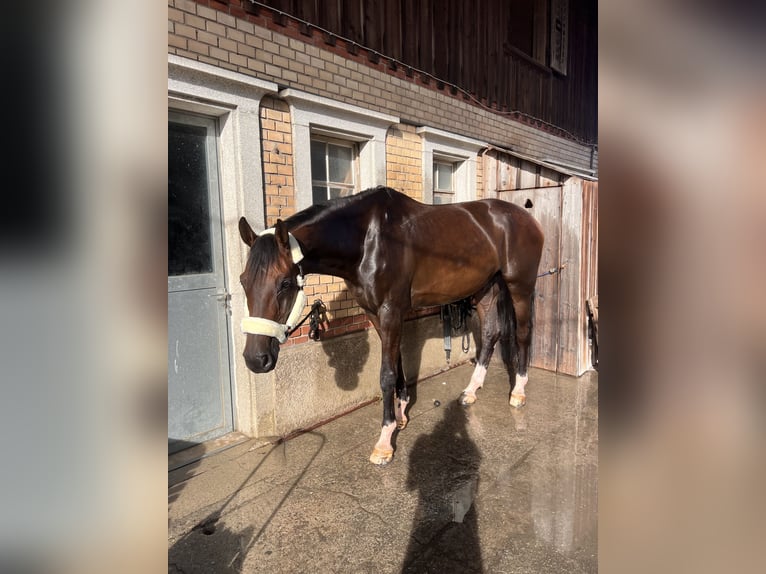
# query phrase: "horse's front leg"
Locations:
[[389, 327]]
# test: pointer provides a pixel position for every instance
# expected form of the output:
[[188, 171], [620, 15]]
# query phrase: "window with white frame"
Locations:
[[444, 189], [449, 166], [334, 168], [338, 148]]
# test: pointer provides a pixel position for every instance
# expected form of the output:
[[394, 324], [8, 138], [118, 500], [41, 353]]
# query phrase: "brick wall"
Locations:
[[224, 35], [344, 316], [404, 161], [278, 179], [404, 172]]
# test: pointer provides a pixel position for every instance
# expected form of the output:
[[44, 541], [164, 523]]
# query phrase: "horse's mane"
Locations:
[[321, 210], [266, 254]]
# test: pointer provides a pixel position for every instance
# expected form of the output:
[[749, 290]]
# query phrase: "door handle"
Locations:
[[225, 298]]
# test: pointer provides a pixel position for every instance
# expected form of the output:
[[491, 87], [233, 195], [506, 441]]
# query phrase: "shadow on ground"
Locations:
[[200, 549], [444, 470], [483, 489]]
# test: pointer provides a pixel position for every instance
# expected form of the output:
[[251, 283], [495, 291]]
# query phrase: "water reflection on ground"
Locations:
[[548, 498], [481, 489]]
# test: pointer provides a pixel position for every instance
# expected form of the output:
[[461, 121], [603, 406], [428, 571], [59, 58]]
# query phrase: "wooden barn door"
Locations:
[[544, 203], [567, 209]]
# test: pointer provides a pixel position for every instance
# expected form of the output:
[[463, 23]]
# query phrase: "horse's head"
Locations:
[[273, 286]]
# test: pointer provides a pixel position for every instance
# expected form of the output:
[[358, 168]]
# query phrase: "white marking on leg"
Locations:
[[384, 442], [521, 382], [477, 380], [401, 407]]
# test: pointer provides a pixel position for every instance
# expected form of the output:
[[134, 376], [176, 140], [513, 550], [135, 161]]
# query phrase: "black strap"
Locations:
[[318, 315], [455, 318]]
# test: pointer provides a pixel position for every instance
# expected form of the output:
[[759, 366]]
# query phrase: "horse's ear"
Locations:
[[246, 232], [283, 237]]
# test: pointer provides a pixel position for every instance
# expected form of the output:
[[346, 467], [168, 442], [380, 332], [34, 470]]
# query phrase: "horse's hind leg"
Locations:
[[522, 306], [490, 332], [402, 397]]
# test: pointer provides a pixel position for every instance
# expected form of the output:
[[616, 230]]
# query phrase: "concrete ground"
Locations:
[[480, 489]]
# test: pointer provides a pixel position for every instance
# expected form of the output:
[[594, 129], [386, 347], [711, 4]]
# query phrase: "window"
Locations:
[[449, 166], [538, 29], [339, 148], [559, 35], [333, 169], [191, 148], [522, 30], [444, 190]]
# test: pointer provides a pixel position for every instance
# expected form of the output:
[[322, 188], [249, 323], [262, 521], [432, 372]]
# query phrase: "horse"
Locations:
[[395, 255]]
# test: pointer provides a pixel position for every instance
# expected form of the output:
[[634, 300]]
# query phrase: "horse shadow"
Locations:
[[444, 470], [346, 355]]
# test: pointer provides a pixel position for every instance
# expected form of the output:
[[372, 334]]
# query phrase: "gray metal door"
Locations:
[[199, 379]]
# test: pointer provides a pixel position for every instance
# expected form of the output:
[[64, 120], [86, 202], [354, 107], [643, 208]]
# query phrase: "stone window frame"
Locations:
[[316, 115], [461, 151]]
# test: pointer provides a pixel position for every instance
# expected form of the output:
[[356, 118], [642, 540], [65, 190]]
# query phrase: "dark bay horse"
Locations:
[[397, 254]]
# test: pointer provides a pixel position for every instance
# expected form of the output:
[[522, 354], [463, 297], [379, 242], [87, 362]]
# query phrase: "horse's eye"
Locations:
[[285, 285]]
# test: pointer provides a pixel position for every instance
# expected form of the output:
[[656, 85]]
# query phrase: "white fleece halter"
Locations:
[[261, 326]]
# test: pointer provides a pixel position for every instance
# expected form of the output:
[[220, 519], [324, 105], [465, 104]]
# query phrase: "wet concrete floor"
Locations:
[[486, 488]]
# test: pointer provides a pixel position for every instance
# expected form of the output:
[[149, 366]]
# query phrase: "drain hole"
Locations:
[[528, 204], [207, 527]]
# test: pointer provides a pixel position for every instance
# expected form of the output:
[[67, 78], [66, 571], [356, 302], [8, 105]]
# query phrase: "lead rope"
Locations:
[[318, 316], [317, 313], [553, 271]]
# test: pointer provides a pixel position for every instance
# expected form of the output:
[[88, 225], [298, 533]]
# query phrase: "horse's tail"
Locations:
[[507, 319]]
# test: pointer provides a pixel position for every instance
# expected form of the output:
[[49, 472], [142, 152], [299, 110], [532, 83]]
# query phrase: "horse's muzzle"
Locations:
[[260, 363], [261, 353]]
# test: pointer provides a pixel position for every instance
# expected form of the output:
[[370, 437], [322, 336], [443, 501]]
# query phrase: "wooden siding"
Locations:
[[567, 209], [467, 44], [546, 330], [590, 256], [571, 314]]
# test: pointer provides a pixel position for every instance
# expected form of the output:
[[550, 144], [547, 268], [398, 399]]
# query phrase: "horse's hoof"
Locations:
[[401, 425], [518, 401], [466, 399], [381, 457]]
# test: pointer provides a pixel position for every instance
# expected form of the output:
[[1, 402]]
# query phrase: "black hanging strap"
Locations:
[[318, 317], [455, 321]]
